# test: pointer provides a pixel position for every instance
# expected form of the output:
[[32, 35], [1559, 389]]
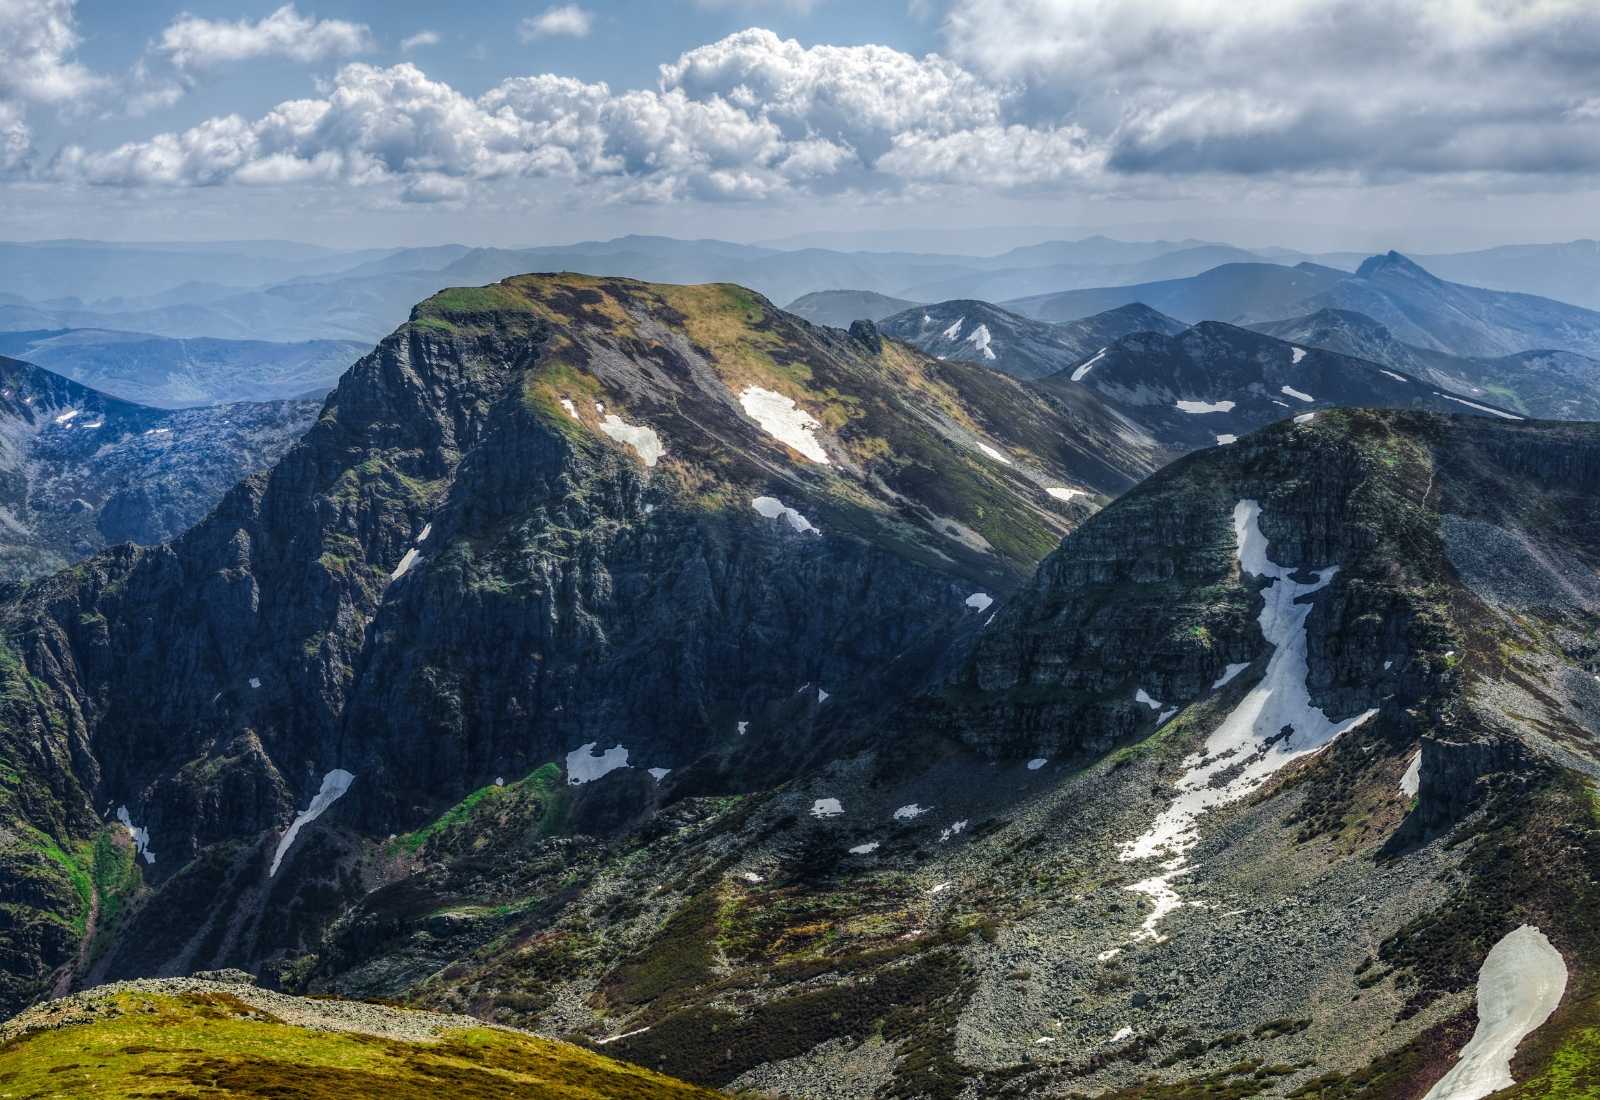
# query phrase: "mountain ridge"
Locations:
[[640, 662]]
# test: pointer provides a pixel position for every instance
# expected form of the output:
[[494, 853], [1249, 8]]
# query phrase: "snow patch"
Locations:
[[1412, 779], [624, 1035], [139, 835], [911, 812], [1392, 374], [67, 416], [979, 339], [1061, 492], [1143, 696], [406, 562], [951, 830], [584, 765], [940, 888], [255, 682], [1229, 673], [864, 849], [992, 453], [1480, 408], [1296, 354], [1197, 407], [641, 438], [1290, 391], [1038, 762], [334, 784], [1225, 438], [822, 697], [780, 418], [979, 601], [743, 726], [1078, 375], [658, 774], [1126, 1032], [1246, 749], [826, 807], [773, 508], [1304, 418], [572, 410], [954, 330], [1520, 984]]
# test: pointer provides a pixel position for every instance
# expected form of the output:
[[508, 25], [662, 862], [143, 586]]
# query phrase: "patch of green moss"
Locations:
[[455, 307], [116, 877], [537, 800], [77, 871], [1572, 1071]]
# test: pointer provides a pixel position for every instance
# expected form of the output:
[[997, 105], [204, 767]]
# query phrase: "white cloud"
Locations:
[[1085, 97], [564, 20], [420, 40], [750, 117], [1376, 88], [38, 40], [432, 187], [15, 138], [859, 96], [192, 42], [1002, 157]]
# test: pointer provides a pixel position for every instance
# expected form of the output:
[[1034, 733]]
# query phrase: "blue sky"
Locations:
[[1313, 123]]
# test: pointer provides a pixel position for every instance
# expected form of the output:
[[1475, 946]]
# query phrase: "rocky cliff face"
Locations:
[[587, 522]]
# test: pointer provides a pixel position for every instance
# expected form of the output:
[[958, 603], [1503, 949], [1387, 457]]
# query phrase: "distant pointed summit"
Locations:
[[1393, 263]]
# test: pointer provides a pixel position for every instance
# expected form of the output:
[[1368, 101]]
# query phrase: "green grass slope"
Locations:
[[185, 1037]]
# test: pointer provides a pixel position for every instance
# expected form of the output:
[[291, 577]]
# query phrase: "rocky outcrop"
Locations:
[[1456, 773]]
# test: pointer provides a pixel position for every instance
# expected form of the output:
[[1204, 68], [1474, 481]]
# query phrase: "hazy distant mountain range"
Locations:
[[172, 373], [288, 292]]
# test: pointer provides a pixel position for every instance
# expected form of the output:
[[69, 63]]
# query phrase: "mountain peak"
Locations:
[[1393, 263]]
